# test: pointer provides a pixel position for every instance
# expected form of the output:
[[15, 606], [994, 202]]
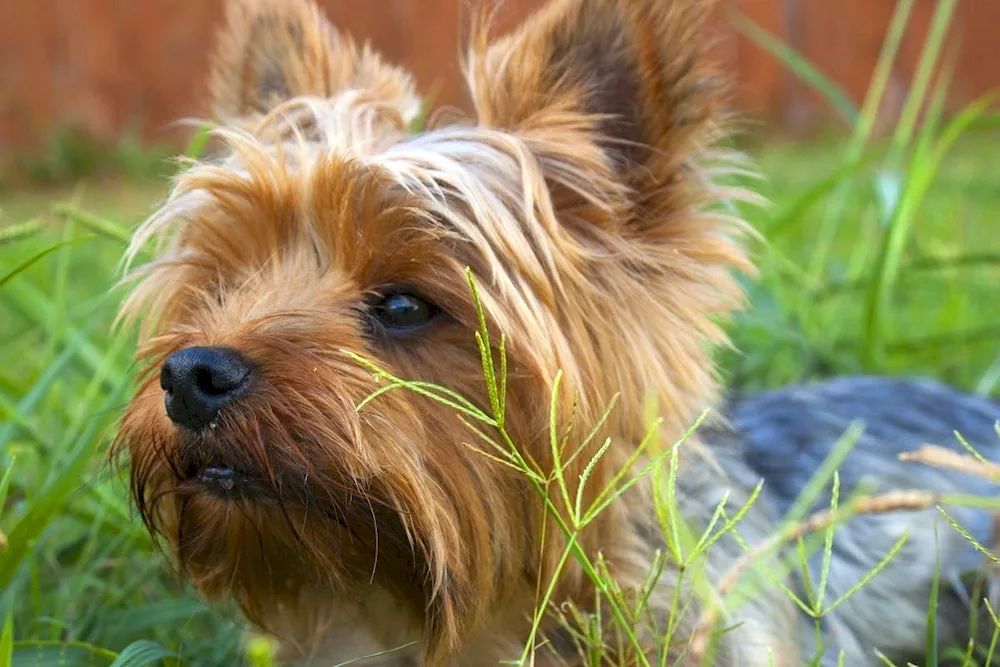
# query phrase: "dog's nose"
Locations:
[[198, 381]]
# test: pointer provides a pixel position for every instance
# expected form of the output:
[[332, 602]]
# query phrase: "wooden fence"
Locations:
[[114, 66]]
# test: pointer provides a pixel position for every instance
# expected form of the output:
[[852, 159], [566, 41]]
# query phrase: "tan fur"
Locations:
[[274, 51], [581, 197]]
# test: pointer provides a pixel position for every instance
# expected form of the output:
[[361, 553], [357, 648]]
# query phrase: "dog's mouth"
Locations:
[[228, 469], [224, 480]]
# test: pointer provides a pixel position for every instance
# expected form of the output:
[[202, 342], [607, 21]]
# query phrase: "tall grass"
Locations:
[[858, 260], [879, 256]]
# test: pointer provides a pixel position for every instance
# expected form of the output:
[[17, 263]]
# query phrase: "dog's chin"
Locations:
[[247, 524], [237, 534]]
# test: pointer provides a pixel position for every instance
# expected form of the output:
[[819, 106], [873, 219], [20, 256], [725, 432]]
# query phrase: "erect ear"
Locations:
[[631, 76], [272, 51]]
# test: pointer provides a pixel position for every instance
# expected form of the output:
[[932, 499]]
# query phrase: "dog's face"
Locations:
[[327, 231]]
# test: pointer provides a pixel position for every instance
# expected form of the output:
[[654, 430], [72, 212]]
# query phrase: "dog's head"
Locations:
[[579, 195]]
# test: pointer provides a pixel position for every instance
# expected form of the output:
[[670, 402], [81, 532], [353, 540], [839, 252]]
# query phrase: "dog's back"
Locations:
[[788, 434]]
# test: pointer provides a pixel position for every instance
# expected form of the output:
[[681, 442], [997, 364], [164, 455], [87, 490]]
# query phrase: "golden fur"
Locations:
[[580, 195]]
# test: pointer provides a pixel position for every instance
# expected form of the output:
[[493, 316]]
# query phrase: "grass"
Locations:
[[881, 256], [934, 322]]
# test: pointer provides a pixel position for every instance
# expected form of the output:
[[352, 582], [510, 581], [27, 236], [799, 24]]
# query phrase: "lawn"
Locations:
[[875, 257], [79, 572]]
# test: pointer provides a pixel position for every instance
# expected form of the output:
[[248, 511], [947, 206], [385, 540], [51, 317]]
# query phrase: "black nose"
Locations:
[[198, 381]]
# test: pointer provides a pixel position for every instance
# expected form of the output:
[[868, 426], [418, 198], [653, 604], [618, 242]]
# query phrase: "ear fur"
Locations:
[[272, 51], [633, 73]]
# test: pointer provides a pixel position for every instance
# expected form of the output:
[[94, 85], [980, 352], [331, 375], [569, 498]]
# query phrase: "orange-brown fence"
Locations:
[[114, 66]]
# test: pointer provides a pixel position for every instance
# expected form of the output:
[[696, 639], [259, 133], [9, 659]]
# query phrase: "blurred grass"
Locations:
[[942, 318], [879, 257], [79, 571]]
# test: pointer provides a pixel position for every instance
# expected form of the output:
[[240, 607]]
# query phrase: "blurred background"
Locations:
[[874, 125], [109, 68]]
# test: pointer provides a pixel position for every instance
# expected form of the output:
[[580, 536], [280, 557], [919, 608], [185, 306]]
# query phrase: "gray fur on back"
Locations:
[[787, 434]]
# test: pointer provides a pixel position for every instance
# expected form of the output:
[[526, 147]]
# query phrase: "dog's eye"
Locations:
[[403, 311]]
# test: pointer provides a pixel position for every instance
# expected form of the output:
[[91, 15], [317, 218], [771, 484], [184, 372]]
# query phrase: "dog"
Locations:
[[386, 372]]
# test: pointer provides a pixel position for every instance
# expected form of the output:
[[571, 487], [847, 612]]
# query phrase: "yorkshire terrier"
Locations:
[[331, 292]]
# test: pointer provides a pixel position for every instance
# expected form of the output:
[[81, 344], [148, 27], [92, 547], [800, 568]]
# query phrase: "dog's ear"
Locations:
[[271, 51], [633, 76]]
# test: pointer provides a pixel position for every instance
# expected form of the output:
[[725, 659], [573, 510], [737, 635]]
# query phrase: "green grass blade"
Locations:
[[968, 537], [199, 143], [95, 223], [926, 66], [5, 483], [880, 78], [995, 635], [58, 294], [7, 638], [20, 268], [824, 575], [874, 572], [139, 620], [16, 420], [140, 654], [860, 135], [932, 652], [809, 73], [59, 654], [825, 473], [986, 122], [12, 233]]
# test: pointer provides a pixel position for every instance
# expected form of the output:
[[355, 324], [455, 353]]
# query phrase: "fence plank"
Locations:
[[110, 66]]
